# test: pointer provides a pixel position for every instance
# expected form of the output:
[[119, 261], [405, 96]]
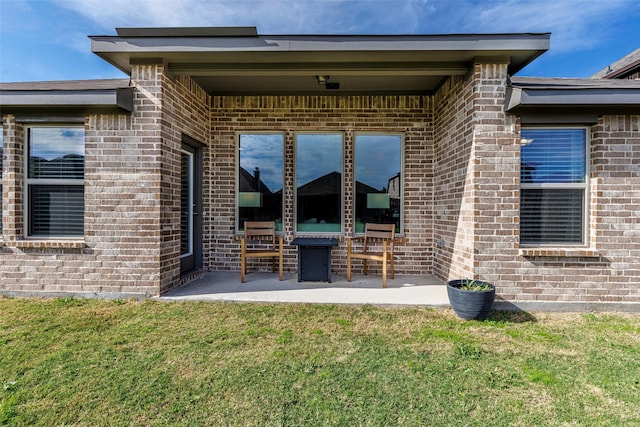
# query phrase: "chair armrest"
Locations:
[[355, 238]]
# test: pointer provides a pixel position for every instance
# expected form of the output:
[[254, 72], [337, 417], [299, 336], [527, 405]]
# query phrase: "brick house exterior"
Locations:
[[460, 119]]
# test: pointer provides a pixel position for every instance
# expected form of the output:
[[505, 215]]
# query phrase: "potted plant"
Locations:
[[471, 299]]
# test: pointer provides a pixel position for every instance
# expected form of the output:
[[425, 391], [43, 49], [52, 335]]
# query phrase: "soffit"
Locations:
[[233, 64]]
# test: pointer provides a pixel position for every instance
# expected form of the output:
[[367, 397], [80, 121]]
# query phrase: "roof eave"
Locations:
[[572, 97], [80, 101], [119, 51]]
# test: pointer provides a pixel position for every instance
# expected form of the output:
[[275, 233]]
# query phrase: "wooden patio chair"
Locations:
[[259, 241], [382, 237]]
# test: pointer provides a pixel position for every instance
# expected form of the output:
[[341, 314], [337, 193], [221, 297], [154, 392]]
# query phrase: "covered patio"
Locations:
[[423, 290]]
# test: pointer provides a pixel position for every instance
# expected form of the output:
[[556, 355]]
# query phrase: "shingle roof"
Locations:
[[619, 66]]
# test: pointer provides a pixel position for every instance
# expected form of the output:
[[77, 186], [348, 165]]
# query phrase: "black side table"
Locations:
[[314, 258]]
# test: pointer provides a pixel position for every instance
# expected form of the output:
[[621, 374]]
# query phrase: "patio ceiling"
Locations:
[[238, 61]]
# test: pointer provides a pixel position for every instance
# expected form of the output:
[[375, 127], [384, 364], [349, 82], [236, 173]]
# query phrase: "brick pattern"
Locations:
[[496, 176], [12, 179], [476, 190], [461, 191], [608, 271], [185, 111], [132, 182], [452, 170], [410, 115]]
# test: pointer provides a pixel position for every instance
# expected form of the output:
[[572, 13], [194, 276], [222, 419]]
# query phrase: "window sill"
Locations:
[[49, 244], [559, 252]]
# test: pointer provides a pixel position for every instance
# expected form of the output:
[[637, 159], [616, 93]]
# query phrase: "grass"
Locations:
[[113, 363]]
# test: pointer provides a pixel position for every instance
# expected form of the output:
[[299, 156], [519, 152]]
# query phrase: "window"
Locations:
[[378, 165], [186, 203], [319, 183], [553, 181], [55, 182], [260, 178]]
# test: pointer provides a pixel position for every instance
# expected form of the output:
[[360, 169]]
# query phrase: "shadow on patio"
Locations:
[[265, 287]]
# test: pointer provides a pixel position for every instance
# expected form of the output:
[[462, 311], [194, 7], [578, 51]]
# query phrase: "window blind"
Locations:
[[552, 156], [55, 187], [56, 210], [551, 216], [552, 186], [70, 166]]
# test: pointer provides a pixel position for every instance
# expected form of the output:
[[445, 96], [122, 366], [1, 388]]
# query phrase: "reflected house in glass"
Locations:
[[376, 203], [319, 204], [256, 202], [135, 186]]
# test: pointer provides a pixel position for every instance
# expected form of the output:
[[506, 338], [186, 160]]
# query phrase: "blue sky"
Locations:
[[47, 39]]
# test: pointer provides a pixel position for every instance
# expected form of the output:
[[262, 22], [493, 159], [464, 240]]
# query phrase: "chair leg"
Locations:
[[280, 265], [243, 261], [348, 260], [364, 266], [392, 264], [384, 265], [384, 271]]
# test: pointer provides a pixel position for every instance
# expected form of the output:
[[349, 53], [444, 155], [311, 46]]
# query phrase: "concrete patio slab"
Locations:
[[265, 287]]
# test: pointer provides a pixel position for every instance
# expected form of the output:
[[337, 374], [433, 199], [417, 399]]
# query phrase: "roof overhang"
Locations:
[[556, 100], [67, 97], [239, 61]]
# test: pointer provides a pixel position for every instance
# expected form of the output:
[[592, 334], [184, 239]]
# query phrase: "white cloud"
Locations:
[[574, 24], [288, 16], [46, 39]]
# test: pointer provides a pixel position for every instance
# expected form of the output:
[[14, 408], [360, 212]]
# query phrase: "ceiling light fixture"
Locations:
[[322, 80]]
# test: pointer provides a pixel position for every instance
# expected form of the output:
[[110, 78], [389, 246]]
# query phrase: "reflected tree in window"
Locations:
[[378, 192], [260, 178], [319, 183]]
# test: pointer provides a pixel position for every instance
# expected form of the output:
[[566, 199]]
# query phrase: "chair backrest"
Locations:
[[260, 229], [379, 231]]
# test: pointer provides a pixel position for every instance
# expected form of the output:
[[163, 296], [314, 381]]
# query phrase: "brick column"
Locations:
[[496, 164], [12, 180]]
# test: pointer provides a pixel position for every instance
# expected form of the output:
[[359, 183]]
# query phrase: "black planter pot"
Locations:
[[470, 305]]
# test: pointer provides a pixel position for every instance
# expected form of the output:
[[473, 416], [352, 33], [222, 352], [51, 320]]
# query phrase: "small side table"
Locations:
[[314, 258]]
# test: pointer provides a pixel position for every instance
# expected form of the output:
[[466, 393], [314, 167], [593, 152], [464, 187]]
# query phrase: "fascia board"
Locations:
[[116, 98]]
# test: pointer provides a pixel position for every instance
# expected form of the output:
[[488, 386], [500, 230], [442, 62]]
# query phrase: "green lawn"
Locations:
[[120, 363]]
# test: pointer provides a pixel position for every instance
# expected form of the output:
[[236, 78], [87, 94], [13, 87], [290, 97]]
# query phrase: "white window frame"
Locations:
[[28, 182], [584, 186], [295, 184]]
